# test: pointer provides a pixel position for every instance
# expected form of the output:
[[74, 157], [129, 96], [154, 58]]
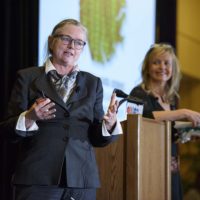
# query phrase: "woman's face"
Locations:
[[160, 68], [66, 54]]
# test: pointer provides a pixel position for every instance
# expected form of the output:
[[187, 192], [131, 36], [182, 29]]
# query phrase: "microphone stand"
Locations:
[[131, 100], [126, 97]]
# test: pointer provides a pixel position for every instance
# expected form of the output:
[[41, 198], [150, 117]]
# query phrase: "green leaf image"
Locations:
[[104, 20]]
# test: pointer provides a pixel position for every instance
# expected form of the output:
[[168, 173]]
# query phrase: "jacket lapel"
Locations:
[[45, 87], [80, 91]]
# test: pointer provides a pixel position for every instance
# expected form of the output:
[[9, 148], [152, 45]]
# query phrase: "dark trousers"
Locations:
[[52, 193], [177, 193]]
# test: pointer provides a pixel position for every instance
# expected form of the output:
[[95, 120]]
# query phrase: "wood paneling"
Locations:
[[137, 166]]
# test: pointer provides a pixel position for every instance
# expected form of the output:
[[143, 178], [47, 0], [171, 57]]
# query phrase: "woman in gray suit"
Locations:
[[55, 113]]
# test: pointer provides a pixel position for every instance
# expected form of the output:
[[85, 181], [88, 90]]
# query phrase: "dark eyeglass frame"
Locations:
[[66, 40]]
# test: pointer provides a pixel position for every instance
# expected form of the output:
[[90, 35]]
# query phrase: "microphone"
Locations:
[[120, 93], [126, 97], [77, 89], [135, 105]]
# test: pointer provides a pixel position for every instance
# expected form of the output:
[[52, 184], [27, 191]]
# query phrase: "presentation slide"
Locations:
[[119, 34]]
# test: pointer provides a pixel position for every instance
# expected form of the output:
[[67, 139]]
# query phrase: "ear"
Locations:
[[50, 43]]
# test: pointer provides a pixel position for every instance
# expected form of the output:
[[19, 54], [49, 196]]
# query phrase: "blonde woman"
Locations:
[[159, 91]]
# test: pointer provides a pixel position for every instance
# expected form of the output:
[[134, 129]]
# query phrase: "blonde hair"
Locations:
[[68, 21], [172, 86]]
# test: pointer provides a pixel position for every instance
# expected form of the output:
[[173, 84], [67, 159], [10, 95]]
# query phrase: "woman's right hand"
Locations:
[[42, 109]]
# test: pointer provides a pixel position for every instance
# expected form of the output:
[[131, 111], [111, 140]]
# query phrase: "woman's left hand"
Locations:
[[110, 117]]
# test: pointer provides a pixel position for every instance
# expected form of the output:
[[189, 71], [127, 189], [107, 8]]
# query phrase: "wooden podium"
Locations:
[[137, 165]]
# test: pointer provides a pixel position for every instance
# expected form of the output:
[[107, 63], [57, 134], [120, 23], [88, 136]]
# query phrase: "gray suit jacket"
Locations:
[[70, 136]]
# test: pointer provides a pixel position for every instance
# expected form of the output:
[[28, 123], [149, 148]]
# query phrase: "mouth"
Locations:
[[161, 74], [68, 53]]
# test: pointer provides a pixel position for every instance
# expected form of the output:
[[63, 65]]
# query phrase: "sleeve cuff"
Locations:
[[117, 130], [21, 124]]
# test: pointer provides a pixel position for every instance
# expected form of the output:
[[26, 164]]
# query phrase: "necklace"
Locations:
[[161, 97]]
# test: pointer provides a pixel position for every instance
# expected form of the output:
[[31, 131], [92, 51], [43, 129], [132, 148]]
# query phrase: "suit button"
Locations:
[[65, 126], [66, 114], [65, 139]]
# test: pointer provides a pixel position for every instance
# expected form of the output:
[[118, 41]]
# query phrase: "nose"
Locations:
[[71, 44], [162, 64]]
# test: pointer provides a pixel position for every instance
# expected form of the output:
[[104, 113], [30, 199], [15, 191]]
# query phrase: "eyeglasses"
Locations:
[[78, 44]]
